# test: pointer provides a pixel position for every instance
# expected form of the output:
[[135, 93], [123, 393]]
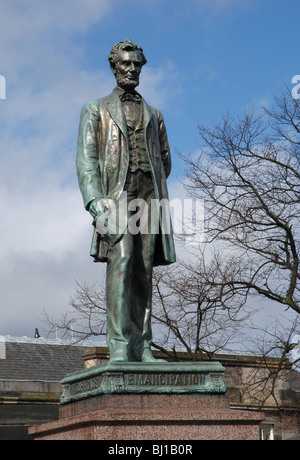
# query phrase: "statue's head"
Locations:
[[126, 61]]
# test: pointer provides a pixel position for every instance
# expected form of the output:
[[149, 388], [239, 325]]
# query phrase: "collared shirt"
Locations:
[[131, 95], [131, 102]]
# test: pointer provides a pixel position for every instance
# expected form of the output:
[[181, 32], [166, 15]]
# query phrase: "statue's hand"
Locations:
[[105, 220], [98, 207]]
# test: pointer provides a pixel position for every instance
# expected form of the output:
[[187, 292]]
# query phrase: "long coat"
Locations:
[[103, 158]]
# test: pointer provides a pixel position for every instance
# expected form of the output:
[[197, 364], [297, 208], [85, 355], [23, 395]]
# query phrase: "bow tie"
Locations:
[[131, 97]]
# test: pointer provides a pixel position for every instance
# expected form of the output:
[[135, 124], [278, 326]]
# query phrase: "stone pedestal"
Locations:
[[168, 401]]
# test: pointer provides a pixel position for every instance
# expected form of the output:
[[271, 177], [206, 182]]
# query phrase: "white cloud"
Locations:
[[45, 231], [44, 248], [36, 18], [41, 221], [160, 85], [46, 87]]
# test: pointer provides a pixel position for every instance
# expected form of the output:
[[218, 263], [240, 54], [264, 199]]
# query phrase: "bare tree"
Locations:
[[262, 385], [248, 172], [194, 309], [86, 319]]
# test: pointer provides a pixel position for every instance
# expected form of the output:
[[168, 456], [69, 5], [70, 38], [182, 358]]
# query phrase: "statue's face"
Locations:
[[127, 69]]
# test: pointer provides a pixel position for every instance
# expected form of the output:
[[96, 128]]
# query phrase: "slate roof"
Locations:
[[38, 359]]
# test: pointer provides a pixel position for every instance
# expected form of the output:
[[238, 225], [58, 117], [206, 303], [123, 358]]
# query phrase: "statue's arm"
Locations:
[[164, 145], [87, 161]]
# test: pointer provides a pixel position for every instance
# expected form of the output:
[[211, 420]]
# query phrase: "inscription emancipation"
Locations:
[[136, 380], [166, 379]]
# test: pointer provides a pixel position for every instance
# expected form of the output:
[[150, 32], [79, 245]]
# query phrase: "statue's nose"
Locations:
[[133, 68]]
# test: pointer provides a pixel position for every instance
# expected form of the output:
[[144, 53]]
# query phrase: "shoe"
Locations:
[[119, 357], [147, 357]]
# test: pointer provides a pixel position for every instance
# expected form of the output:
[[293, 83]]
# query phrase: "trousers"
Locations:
[[129, 278]]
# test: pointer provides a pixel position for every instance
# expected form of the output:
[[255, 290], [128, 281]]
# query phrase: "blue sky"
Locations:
[[205, 57]]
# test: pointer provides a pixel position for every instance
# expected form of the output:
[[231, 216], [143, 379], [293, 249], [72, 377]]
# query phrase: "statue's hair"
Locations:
[[126, 45]]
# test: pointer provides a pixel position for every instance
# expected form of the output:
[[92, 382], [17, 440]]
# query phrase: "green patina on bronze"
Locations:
[[123, 147], [141, 378]]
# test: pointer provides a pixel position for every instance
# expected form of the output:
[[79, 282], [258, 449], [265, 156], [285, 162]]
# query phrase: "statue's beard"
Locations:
[[129, 84]]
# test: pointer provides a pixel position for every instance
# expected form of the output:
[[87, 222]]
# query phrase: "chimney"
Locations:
[[36, 334]]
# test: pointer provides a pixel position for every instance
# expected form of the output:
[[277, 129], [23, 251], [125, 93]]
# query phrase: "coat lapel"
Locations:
[[147, 114], [114, 107]]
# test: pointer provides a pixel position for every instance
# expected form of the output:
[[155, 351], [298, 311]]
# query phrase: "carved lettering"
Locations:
[[85, 386], [165, 379]]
